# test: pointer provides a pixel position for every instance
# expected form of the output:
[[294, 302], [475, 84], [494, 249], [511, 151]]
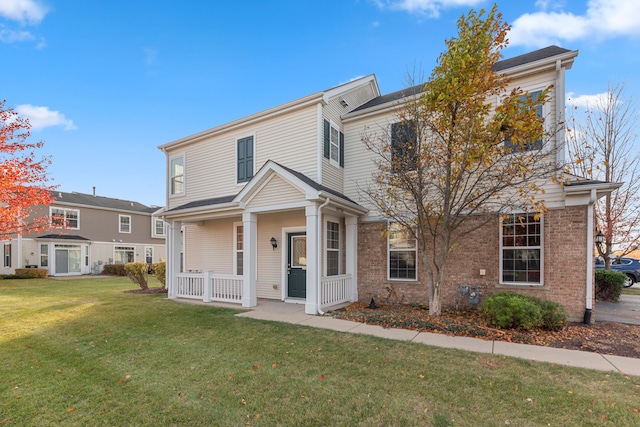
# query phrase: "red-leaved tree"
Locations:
[[23, 178]]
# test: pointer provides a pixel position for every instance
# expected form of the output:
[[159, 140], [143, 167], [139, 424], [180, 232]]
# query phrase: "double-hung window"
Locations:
[[521, 249], [7, 255], [124, 223], [333, 143], [333, 248], [529, 145], [65, 218], [244, 159], [176, 168], [402, 253], [158, 227], [403, 146], [239, 248]]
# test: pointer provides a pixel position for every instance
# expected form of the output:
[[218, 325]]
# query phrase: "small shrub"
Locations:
[[609, 285], [160, 270], [32, 273], [137, 272], [554, 316], [114, 270], [512, 311]]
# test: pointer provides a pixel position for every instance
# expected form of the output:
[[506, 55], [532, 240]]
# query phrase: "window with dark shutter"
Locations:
[[245, 159]]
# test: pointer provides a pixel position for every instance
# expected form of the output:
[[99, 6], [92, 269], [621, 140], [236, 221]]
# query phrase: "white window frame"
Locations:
[[334, 144], [328, 249], [147, 249], [173, 177], [154, 227], [44, 255], [6, 255], [235, 151], [120, 224], [65, 220], [546, 113], [122, 248], [237, 251], [539, 247], [390, 250]]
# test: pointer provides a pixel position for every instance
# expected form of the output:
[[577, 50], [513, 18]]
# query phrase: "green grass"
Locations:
[[82, 352]]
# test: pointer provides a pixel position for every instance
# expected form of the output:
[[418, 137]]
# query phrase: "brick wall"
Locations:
[[565, 252]]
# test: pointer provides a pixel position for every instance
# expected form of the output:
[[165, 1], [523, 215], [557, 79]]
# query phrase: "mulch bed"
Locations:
[[147, 291], [602, 337]]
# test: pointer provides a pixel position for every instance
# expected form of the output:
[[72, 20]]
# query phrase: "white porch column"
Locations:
[[173, 257], [351, 253], [313, 259], [250, 260]]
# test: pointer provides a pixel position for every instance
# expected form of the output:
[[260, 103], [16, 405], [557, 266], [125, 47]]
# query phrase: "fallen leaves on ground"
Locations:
[[601, 337]]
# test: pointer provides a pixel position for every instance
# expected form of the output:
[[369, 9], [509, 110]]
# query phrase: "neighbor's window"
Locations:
[[531, 145], [44, 255], [333, 248], [158, 227], [403, 253], [65, 218], [521, 249], [177, 175], [239, 249], [7, 255], [123, 254], [403, 146], [245, 159], [125, 223], [148, 254]]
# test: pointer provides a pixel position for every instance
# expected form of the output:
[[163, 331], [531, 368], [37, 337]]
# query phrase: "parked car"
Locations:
[[628, 266]]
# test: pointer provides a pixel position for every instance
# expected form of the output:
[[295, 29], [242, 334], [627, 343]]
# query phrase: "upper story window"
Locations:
[[158, 227], [530, 145], [403, 253], [176, 169], [244, 159], [403, 146], [521, 249], [333, 143], [124, 222], [65, 218]]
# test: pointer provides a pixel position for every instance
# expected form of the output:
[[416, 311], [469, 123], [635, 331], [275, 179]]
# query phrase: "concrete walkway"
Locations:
[[294, 313]]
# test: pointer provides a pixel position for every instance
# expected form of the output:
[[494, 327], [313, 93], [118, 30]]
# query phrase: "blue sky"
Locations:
[[105, 82]]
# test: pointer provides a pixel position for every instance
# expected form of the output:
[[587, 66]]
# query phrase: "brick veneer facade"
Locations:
[[565, 258]]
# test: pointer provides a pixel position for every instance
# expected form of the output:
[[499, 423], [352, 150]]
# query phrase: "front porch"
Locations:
[[227, 288]]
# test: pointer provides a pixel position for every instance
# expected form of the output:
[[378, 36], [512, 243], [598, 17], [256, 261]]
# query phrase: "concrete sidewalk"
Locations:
[[294, 313]]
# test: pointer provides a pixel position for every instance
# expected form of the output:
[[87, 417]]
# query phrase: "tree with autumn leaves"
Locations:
[[23, 179], [465, 158]]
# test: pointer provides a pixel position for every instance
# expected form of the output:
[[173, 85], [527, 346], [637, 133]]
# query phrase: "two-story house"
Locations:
[[87, 232], [269, 206]]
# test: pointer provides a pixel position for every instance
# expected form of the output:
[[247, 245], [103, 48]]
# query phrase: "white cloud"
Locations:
[[603, 19], [11, 36], [42, 117], [431, 8], [24, 11], [586, 100]]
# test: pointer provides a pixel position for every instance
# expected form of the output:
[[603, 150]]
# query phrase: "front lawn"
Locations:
[[83, 352]]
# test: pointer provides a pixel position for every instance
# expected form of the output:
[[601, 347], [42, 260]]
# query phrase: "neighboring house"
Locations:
[[268, 206], [87, 232]]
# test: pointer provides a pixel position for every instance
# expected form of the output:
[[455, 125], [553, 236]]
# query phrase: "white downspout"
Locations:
[[590, 222], [319, 257]]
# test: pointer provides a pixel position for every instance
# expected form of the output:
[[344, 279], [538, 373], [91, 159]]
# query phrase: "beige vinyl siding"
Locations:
[[210, 165], [276, 191], [271, 262], [209, 247]]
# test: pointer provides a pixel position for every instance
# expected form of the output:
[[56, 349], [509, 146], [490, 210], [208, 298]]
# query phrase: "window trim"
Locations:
[[154, 229], [172, 176], [253, 160], [236, 251], [6, 255], [389, 250], [540, 247], [123, 248], [327, 249], [334, 162], [65, 220], [544, 113], [395, 168], [120, 224], [147, 248]]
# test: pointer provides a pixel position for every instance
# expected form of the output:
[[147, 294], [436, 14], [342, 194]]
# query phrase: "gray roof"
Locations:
[[101, 202], [204, 202], [505, 64], [62, 237]]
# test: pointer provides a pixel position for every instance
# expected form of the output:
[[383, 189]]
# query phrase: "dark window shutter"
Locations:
[[327, 136], [245, 159], [341, 149]]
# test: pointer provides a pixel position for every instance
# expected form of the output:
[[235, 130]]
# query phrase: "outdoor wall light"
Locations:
[[274, 243], [599, 238]]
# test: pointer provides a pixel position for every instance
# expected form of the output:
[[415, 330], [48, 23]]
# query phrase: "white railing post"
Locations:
[[207, 286]]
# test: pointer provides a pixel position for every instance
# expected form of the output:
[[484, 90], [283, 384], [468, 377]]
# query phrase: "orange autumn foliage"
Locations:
[[23, 178]]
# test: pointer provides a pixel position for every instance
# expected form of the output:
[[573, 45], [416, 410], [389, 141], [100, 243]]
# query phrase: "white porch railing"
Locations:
[[210, 287], [335, 290]]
